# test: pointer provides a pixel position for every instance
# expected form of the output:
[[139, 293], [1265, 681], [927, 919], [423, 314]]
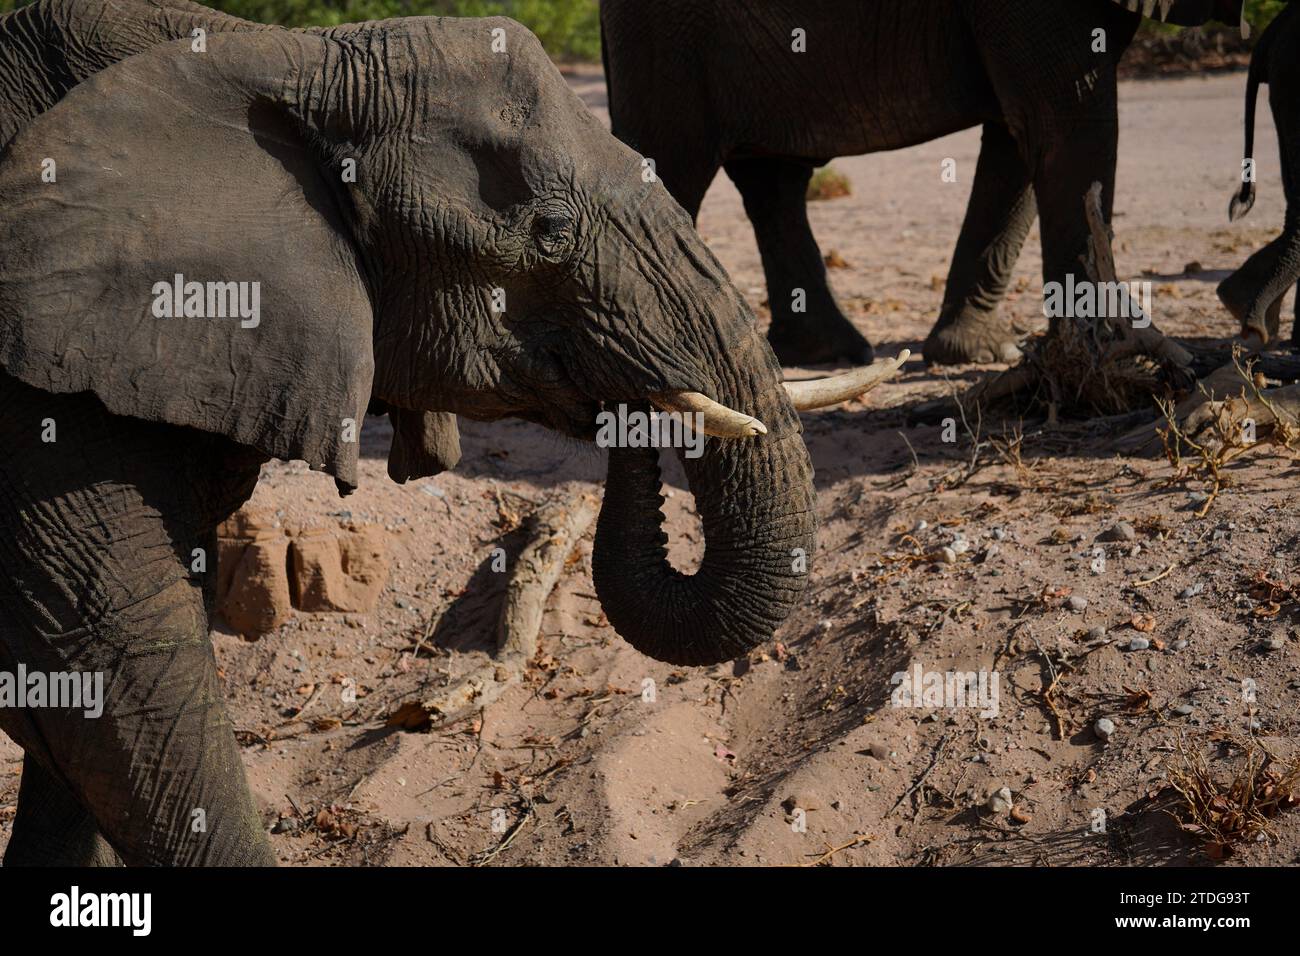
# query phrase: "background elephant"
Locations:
[[708, 84], [1254, 293], [478, 174]]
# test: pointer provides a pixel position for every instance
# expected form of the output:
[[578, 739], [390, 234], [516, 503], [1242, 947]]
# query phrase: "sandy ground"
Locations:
[[797, 751]]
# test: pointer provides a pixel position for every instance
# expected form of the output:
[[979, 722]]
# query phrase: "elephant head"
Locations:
[[1189, 13], [261, 238]]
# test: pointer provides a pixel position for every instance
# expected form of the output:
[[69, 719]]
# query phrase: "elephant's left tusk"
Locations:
[[719, 420], [818, 393]]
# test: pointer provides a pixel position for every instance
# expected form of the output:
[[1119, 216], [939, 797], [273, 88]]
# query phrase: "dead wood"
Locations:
[[556, 528]]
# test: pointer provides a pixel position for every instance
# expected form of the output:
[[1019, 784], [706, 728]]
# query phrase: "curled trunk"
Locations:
[[755, 500]]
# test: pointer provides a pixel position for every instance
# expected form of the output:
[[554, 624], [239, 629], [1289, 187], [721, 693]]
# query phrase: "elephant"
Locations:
[[420, 217], [1253, 294], [769, 91]]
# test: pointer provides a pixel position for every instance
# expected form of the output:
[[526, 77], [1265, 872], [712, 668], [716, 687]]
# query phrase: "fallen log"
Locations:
[[556, 528]]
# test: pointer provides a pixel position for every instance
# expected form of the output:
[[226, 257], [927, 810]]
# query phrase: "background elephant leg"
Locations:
[[1066, 128], [775, 194], [1254, 293], [998, 218], [97, 533], [52, 828], [687, 182]]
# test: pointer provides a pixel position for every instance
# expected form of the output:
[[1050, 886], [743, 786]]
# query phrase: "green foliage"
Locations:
[[569, 29], [1261, 12]]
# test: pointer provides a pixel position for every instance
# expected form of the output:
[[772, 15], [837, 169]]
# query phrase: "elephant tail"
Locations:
[[1244, 199]]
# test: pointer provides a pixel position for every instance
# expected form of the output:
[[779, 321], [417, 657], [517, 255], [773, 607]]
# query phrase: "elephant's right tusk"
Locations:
[[719, 420], [818, 393]]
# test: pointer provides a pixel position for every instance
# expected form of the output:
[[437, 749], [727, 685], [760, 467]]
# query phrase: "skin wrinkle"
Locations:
[[670, 302]]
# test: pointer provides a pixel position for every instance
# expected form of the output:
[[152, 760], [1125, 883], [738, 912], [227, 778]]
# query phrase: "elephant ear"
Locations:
[[1184, 13], [176, 167]]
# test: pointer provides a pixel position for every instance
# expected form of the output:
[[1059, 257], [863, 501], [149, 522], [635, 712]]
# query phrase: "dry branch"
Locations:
[[1211, 422], [556, 527]]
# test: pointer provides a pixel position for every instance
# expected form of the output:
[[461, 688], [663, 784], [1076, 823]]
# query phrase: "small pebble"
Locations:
[[1120, 531], [999, 800], [1183, 710], [1104, 727], [1078, 604], [948, 555], [960, 545], [1097, 633], [1191, 591], [1272, 644], [999, 534], [801, 800], [1138, 644]]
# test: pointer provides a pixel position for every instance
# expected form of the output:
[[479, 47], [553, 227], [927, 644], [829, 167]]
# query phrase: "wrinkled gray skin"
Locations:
[[475, 171], [1253, 294], [699, 85]]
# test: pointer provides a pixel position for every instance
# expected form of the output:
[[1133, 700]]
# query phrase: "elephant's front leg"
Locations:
[[52, 827], [101, 519], [998, 218], [808, 327]]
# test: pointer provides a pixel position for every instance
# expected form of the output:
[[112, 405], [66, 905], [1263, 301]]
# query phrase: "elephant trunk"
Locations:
[[755, 500]]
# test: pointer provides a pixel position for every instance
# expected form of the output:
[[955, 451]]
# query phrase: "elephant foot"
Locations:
[[1241, 305], [830, 338], [972, 339]]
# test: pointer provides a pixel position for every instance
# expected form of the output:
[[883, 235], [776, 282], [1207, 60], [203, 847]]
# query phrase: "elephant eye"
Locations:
[[553, 233]]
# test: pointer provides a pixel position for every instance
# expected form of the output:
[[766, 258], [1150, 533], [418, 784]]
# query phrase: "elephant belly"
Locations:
[[874, 77]]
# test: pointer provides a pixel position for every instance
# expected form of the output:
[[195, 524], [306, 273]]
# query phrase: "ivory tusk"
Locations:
[[719, 420], [818, 393]]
